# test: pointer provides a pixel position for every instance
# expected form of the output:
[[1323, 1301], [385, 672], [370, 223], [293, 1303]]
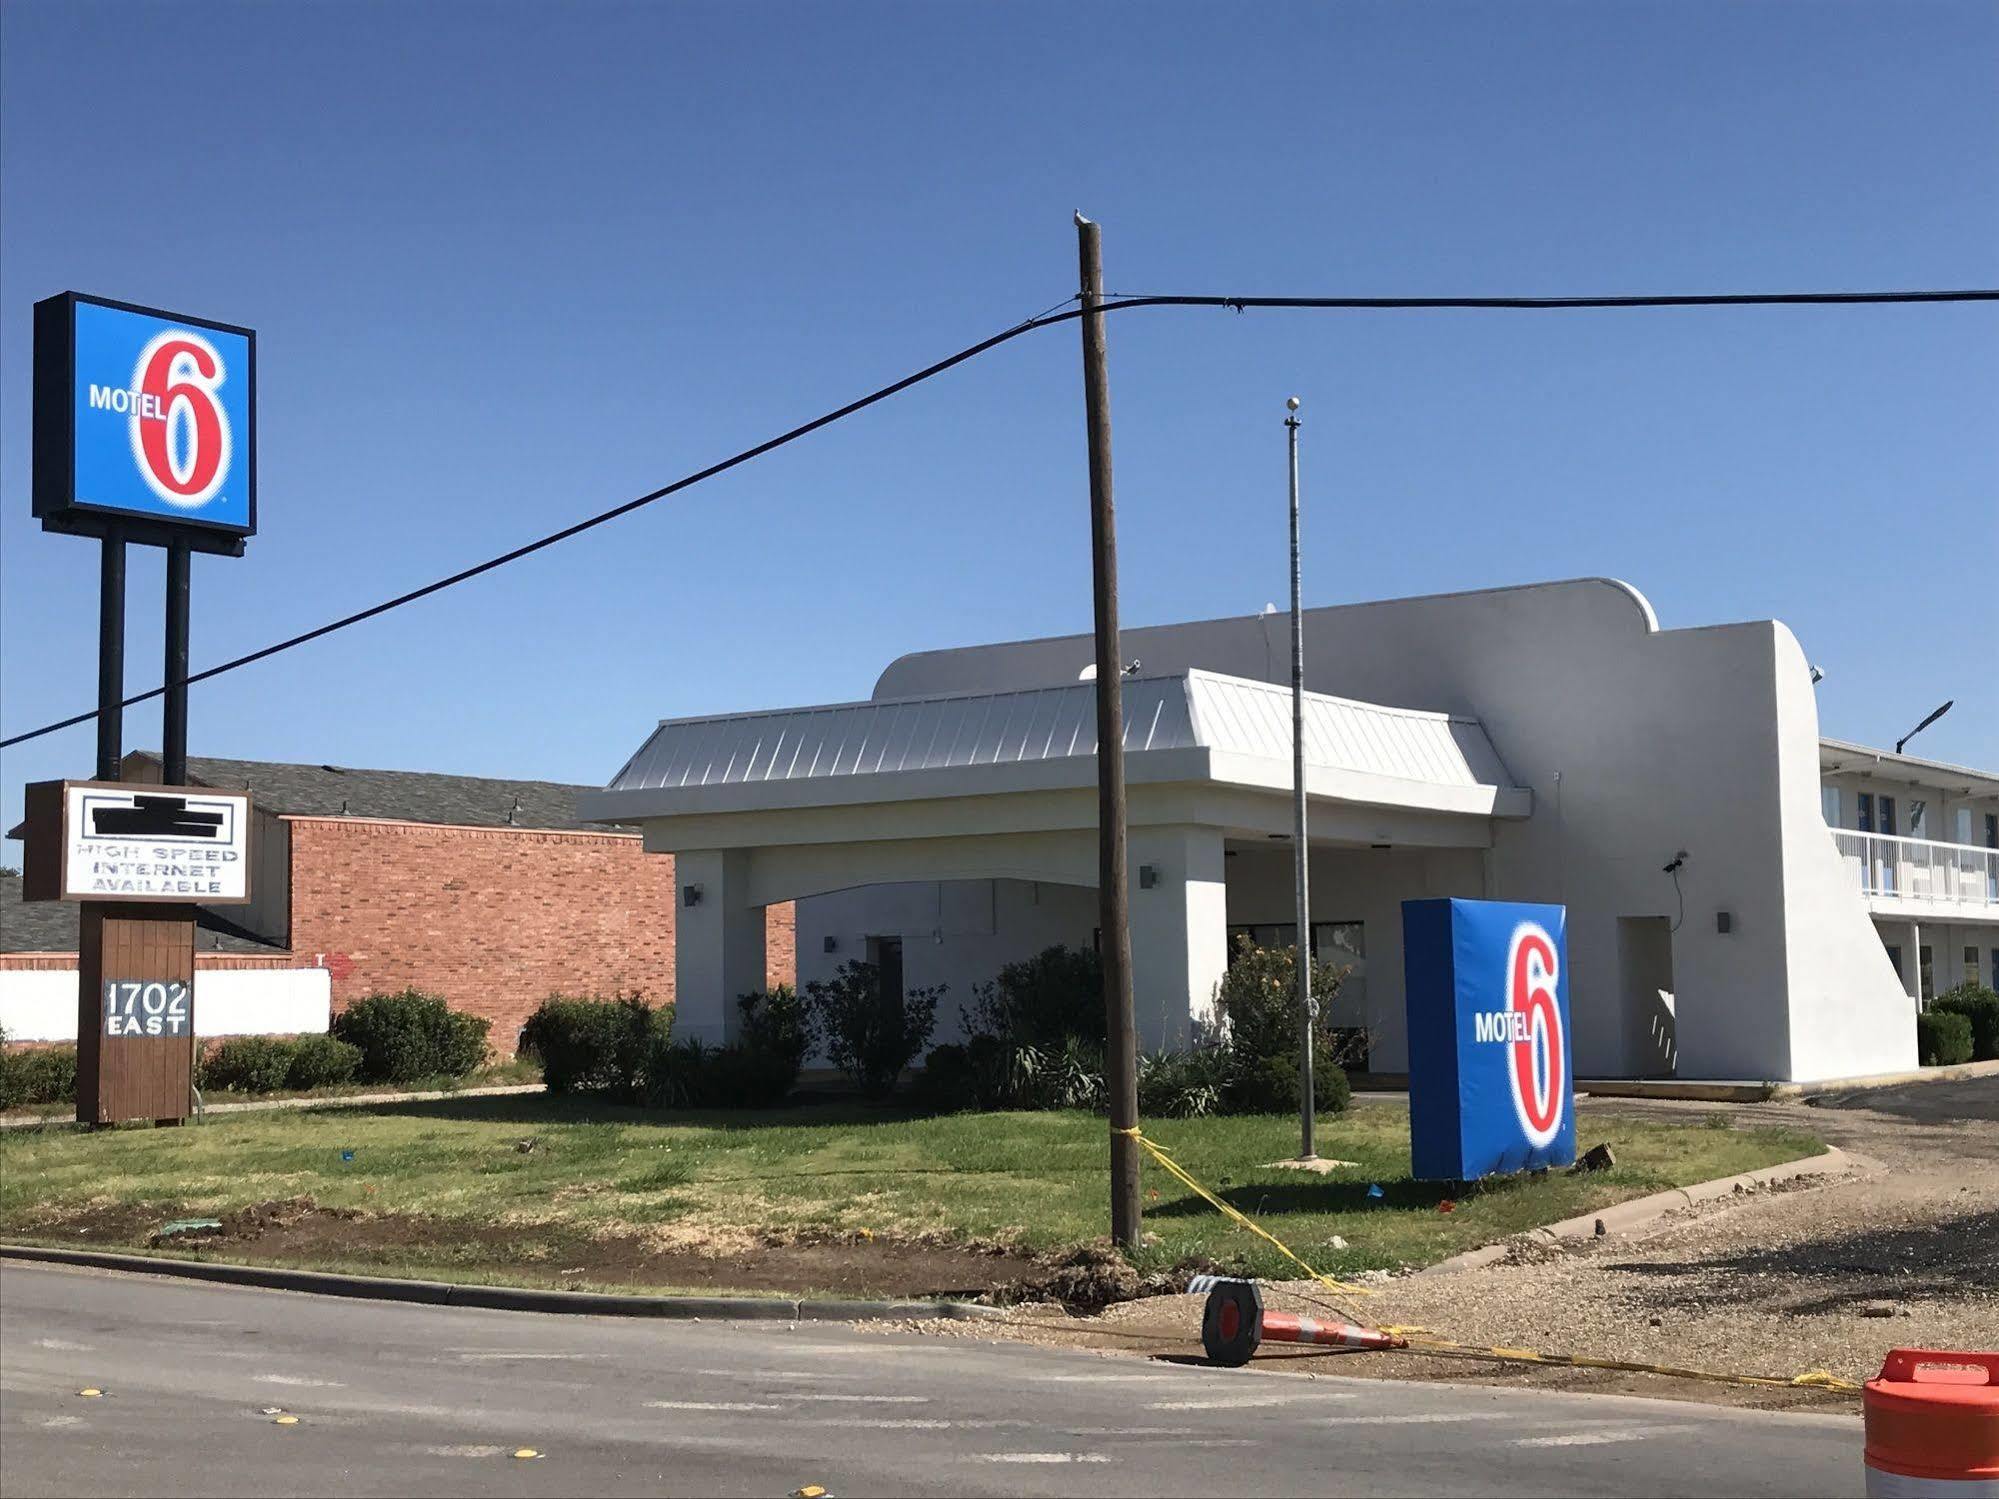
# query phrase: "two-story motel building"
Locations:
[[1544, 743]]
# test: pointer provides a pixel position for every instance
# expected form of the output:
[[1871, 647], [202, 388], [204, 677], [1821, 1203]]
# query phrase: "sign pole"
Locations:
[[111, 654], [1121, 1065], [173, 738], [1301, 850]]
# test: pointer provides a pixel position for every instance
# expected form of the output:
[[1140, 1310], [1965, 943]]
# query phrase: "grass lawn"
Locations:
[[467, 1201]]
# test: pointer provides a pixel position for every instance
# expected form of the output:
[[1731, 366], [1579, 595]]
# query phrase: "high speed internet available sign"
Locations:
[[107, 841], [145, 418]]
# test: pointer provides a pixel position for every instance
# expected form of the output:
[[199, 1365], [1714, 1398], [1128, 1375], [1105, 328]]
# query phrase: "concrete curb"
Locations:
[[1778, 1092], [505, 1298], [1624, 1216], [330, 1101]]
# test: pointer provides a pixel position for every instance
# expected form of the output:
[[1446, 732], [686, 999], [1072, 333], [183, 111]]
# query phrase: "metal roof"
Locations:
[[1220, 716]]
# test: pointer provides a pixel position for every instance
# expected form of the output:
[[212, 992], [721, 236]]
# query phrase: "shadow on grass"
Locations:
[[557, 1109], [1260, 1198]]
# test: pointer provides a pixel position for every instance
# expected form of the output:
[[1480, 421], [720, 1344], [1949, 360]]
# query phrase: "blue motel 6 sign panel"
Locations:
[[144, 420], [1491, 1079]]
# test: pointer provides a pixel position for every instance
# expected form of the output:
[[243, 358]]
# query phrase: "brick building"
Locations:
[[489, 892]]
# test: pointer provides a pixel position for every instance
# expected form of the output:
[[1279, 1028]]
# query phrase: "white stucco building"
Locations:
[[1542, 743]]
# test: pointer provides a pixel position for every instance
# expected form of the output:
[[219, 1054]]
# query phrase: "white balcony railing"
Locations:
[[1917, 870]]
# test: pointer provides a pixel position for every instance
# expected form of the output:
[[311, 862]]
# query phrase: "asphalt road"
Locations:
[[394, 1399]]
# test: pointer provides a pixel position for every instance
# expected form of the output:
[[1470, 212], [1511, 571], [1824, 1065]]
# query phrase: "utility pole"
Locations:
[[1300, 850], [1121, 1063]]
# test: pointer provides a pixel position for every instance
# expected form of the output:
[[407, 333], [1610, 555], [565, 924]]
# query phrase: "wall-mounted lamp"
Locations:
[[1724, 922], [1148, 876], [690, 895], [832, 945]]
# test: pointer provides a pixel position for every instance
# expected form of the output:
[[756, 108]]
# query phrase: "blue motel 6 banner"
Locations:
[[1491, 1076]]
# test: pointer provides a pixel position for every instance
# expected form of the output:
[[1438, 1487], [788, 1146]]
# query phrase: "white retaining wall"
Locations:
[[40, 1005]]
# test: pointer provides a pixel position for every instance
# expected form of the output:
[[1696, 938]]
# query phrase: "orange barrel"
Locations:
[[1933, 1425]]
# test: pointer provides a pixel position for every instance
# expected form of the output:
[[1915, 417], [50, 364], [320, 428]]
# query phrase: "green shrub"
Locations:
[[947, 1082], [1183, 1084], [594, 1045], [1045, 1001], [1942, 1038], [1269, 1085], [1258, 1001], [1980, 1006], [411, 1035], [322, 1062], [868, 1035], [777, 1021], [247, 1064], [688, 1075], [44, 1074]]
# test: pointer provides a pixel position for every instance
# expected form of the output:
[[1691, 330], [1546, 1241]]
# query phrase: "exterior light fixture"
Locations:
[[690, 895]]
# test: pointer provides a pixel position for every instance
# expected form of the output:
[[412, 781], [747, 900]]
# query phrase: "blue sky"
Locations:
[[510, 265]]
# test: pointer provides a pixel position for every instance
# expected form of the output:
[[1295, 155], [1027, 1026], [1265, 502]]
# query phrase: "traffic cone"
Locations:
[[1933, 1425]]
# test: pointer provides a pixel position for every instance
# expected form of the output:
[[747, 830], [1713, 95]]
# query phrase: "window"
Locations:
[[1864, 814], [1926, 978], [1895, 956], [1829, 805], [1971, 965], [1918, 825], [1964, 824], [1886, 805]]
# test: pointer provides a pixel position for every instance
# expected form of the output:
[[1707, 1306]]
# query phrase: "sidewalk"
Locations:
[[328, 1101]]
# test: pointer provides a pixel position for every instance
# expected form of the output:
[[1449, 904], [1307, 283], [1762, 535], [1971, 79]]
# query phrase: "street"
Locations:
[[397, 1399]]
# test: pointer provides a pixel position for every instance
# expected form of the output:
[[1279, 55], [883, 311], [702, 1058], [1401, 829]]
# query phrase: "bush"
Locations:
[[947, 1083], [1183, 1084], [1269, 1085], [868, 1035], [1942, 1038], [1046, 1001], [46, 1074], [688, 1075], [776, 1021], [1980, 1006], [1258, 1001], [247, 1064], [594, 1045], [322, 1062], [411, 1035]]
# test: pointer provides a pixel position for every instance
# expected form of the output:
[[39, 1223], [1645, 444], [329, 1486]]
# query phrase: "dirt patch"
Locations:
[[1822, 1273], [297, 1231]]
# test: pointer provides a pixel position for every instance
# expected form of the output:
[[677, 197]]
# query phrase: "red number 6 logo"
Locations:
[[180, 433], [1538, 1059]]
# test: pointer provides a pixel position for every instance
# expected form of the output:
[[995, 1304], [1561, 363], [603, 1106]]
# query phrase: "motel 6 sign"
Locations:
[[1491, 1069], [144, 421]]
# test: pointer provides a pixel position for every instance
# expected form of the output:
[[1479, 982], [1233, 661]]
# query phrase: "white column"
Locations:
[[1912, 964], [718, 944], [1179, 931]]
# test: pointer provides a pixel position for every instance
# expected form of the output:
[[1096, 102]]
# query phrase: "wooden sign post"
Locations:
[[139, 859]]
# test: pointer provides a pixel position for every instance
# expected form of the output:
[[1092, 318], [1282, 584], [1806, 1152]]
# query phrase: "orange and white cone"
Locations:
[[1234, 1325], [1933, 1425]]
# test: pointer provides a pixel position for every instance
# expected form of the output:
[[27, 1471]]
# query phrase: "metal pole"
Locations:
[[1300, 851], [111, 655], [1121, 1064], [173, 738]]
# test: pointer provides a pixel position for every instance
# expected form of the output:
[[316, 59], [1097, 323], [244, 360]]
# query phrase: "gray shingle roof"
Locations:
[[402, 795], [50, 926]]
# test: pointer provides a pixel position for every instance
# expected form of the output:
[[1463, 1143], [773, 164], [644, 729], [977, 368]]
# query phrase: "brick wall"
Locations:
[[493, 919]]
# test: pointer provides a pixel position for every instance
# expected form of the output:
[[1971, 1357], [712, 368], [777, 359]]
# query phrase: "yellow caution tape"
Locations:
[[525, 1453], [1419, 1341], [1817, 1379], [90, 1392], [284, 1420], [1179, 1173]]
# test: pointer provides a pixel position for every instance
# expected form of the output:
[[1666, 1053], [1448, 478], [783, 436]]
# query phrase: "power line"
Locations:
[[1047, 319]]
